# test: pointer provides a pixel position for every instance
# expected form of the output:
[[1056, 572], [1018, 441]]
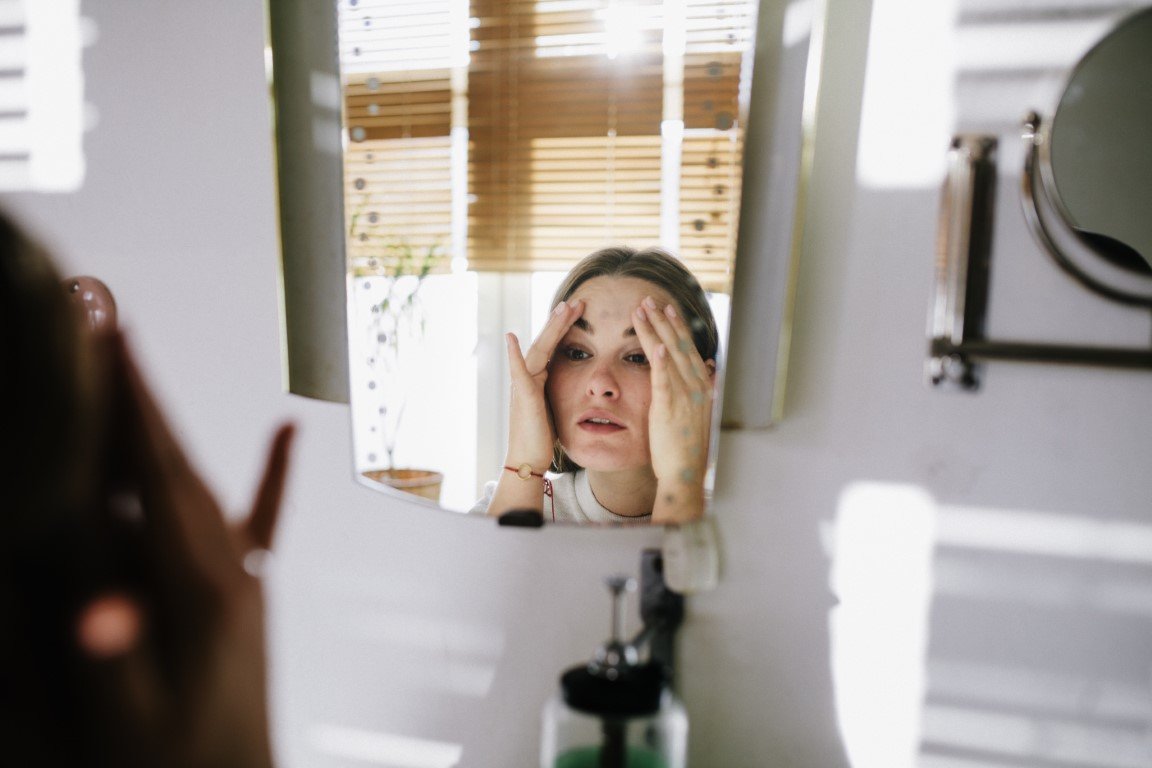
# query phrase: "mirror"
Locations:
[[1087, 174], [490, 145], [1095, 168]]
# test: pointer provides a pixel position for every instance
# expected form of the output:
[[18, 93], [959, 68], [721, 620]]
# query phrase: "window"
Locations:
[[520, 135]]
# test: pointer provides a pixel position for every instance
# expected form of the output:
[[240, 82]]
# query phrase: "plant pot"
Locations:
[[419, 482]]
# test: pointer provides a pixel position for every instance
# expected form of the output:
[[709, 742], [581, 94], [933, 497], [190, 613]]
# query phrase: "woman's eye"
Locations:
[[637, 357], [572, 353]]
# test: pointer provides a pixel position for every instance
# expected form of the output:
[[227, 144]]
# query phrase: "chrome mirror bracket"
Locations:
[[958, 342]]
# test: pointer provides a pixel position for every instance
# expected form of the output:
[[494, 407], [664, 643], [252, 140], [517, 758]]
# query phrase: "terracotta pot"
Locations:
[[419, 482]]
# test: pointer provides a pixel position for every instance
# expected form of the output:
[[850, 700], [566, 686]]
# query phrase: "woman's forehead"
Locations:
[[609, 295]]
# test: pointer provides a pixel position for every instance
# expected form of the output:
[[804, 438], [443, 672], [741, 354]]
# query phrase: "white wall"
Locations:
[[394, 622]]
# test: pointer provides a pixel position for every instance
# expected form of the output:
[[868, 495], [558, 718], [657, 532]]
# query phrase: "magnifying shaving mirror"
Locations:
[[491, 145], [1088, 177], [1085, 184]]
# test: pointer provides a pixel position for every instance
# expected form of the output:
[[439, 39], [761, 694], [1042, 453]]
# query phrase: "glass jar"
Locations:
[[631, 722]]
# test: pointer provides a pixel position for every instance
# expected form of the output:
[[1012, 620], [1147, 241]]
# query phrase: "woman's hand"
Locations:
[[531, 433], [174, 664], [680, 416]]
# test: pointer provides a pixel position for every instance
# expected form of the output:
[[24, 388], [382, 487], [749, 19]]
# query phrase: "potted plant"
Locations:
[[398, 325]]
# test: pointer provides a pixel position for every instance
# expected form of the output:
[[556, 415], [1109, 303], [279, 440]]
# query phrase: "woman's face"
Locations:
[[599, 386]]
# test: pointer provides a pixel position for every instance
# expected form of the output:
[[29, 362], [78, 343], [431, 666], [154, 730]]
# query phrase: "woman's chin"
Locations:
[[608, 460]]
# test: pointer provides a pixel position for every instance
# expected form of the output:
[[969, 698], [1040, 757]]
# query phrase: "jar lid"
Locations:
[[635, 692]]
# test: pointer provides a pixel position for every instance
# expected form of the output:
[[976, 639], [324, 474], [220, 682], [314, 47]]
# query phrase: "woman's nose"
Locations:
[[602, 383]]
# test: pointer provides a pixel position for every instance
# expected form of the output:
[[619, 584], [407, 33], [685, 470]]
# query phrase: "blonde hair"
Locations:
[[662, 269]]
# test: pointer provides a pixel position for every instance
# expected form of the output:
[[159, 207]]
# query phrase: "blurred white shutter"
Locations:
[[41, 96]]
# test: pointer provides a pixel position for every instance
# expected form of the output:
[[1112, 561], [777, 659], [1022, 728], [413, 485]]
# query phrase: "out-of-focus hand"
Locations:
[[680, 416], [531, 434], [175, 664]]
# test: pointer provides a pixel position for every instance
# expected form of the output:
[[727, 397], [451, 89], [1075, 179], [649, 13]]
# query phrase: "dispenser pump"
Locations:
[[614, 711], [615, 656]]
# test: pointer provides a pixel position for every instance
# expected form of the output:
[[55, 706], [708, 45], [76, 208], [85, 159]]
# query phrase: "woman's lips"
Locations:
[[599, 426]]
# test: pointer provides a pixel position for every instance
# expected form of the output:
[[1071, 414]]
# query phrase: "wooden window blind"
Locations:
[[709, 205], [397, 194], [564, 141], [397, 58], [565, 152]]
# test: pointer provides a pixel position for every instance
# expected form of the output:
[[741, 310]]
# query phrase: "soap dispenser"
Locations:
[[615, 711]]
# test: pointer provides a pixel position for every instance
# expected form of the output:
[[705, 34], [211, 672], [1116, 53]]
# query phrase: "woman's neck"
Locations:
[[628, 493]]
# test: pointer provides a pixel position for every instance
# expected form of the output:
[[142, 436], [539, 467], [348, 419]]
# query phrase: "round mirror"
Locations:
[[1098, 169]]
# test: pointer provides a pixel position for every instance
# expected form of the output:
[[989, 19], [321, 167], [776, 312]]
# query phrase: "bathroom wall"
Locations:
[[405, 637]]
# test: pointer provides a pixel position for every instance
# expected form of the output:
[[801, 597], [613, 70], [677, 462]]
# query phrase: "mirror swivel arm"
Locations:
[[957, 338]]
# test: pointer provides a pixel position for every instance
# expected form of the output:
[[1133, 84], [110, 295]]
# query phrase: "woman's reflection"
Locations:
[[614, 397]]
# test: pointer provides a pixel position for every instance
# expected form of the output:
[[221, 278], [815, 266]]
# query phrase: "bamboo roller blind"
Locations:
[[564, 143]]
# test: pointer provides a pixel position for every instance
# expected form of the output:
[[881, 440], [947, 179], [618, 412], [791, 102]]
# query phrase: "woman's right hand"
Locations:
[[174, 664], [530, 431]]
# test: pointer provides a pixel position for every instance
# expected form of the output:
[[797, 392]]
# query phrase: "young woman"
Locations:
[[614, 397]]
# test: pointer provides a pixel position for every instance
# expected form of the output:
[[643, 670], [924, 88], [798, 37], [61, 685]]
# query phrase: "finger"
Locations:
[[120, 682], [664, 375], [94, 302], [672, 330], [563, 317], [517, 367], [179, 511], [261, 524]]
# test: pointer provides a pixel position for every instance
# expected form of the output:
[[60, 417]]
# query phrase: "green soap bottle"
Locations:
[[614, 711]]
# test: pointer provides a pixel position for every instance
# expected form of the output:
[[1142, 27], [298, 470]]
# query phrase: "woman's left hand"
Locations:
[[680, 416]]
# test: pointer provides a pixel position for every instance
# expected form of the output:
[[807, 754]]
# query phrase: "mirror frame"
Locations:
[[304, 86], [1042, 200]]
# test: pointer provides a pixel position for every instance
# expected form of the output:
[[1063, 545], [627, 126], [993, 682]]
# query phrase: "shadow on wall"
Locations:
[[1040, 650], [1054, 663]]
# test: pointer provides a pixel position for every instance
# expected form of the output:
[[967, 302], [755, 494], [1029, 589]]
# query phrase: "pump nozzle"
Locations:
[[615, 655]]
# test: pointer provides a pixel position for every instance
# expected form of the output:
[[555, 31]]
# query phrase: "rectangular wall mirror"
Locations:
[[487, 147]]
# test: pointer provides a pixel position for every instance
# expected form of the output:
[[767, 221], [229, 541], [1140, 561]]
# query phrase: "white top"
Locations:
[[572, 501]]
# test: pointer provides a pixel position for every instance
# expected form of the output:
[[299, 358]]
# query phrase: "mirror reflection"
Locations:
[[1100, 165], [492, 145]]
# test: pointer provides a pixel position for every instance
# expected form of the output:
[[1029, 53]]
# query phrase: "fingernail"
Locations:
[[649, 302], [640, 314], [670, 311], [561, 308]]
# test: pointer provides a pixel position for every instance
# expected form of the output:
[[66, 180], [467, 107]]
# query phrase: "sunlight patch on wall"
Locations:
[[1033, 46], [1042, 533], [1020, 739], [1046, 694], [41, 95], [386, 749], [881, 573], [907, 114]]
